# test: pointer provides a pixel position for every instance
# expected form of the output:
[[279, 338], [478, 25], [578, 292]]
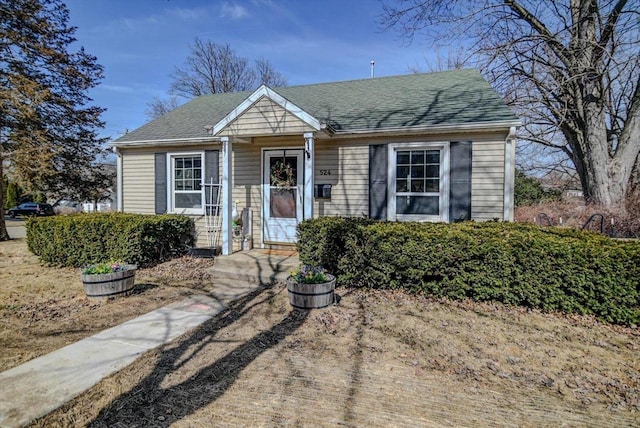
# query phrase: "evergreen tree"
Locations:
[[13, 194], [529, 191], [48, 129]]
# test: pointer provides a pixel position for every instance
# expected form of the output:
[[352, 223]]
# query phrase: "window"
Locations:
[[283, 182], [418, 185], [186, 183]]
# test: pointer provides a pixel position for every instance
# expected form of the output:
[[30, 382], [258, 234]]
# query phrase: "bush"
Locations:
[[83, 239], [12, 197], [551, 269], [321, 242], [575, 214], [529, 190]]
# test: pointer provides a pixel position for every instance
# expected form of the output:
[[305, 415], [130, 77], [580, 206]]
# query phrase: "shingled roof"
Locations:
[[446, 98]]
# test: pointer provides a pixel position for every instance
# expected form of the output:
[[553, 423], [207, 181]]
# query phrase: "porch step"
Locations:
[[257, 267]]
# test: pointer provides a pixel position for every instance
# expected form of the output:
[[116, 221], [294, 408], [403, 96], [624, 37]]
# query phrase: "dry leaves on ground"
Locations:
[[44, 308], [379, 358]]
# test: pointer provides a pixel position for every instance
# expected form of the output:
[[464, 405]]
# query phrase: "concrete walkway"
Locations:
[[42, 385], [15, 228]]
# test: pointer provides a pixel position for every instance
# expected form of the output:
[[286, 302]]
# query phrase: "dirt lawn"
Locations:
[[43, 309], [377, 359]]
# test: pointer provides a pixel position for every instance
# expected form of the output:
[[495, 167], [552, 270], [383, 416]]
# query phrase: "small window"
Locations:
[[418, 189], [186, 183]]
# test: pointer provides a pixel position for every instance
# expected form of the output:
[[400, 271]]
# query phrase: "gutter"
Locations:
[[173, 141], [509, 174], [431, 129]]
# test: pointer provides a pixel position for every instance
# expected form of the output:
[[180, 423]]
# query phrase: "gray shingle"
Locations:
[[444, 98]]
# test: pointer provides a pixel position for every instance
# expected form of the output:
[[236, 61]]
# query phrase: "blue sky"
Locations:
[[139, 42]]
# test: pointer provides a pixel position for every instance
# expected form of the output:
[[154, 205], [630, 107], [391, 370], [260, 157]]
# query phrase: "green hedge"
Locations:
[[83, 239], [514, 263], [321, 242]]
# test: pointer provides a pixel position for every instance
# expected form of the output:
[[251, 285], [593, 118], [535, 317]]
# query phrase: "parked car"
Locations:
[[31, 208]]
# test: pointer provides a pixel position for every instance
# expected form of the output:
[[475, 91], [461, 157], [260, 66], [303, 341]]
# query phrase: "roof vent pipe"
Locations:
[[373, 63]]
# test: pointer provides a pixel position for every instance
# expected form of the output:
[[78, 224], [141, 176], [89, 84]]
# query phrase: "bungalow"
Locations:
[[425, 147]]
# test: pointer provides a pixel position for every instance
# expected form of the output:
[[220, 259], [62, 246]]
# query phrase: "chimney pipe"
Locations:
[[373, 63]]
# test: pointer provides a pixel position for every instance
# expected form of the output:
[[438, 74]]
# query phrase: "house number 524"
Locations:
[[325, 172]]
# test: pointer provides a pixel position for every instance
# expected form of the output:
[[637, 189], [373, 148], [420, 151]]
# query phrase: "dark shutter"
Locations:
[[378, 181], [161, 183], [211, 166], [460, 181], [211, 175]]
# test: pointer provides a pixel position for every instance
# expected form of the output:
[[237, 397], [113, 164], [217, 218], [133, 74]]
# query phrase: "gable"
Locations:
[[266, 117]]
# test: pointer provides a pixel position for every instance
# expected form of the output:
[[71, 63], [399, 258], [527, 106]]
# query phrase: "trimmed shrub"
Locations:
[[321, 242], [551, 269], [83, 239]]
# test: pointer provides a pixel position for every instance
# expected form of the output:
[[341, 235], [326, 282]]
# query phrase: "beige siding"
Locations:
[[487, 182], [247, 180], [343, 163], [346, 167], [138, 182], [266, 118]]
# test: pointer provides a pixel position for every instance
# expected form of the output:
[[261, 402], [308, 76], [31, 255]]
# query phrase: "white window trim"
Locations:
[[170, 180], [443, 146]]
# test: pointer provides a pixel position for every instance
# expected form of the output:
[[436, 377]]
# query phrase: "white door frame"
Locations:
[[282, 230]]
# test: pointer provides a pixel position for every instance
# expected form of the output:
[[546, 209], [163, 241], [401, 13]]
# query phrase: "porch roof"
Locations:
[[450, 98]]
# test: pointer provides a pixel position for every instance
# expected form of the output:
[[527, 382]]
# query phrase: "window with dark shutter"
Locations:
[[418, 187]]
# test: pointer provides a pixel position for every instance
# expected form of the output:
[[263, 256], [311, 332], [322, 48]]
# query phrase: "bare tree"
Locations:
[[160, 106], [571, 68], [212, 69], [267, 75], [452, 60]]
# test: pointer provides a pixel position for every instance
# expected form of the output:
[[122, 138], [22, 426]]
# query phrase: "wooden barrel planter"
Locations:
[[311, 296], [112, 284]]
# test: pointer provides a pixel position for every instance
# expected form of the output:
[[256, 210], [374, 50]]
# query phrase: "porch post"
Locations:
[[309, 163], [227, 196]]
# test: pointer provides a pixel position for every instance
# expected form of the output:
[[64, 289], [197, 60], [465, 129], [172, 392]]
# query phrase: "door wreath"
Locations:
[[282, 175]]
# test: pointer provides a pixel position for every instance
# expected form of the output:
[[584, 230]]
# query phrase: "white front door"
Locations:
[[282, 184]]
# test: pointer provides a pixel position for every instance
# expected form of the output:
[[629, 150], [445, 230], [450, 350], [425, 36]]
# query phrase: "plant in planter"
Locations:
[[103, 280], [311, 287]]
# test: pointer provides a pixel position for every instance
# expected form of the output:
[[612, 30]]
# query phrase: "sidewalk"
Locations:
[[43, 384]]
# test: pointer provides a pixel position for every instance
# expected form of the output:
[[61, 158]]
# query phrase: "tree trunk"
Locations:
[[4, 234], [603, 162], [605, 177]]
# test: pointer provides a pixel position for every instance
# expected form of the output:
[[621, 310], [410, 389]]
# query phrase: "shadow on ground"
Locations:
[[150, 403]]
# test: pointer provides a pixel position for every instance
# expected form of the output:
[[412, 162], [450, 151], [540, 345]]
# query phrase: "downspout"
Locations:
[[118, 154], [509, 174]]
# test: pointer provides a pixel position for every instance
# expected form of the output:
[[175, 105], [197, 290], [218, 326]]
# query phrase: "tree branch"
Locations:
[[558, 48]]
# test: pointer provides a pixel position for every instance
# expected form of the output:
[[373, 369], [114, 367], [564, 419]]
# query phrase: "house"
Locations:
[[426, 147]]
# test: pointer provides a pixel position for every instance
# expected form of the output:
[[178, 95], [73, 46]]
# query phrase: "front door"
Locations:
[[282, 186]]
